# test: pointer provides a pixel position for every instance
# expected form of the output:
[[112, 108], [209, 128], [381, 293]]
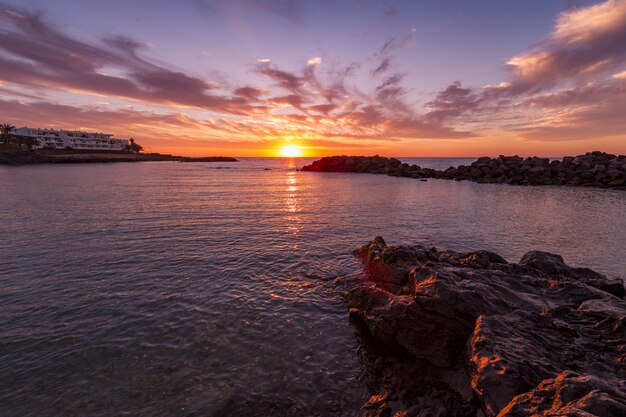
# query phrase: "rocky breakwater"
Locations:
[[371, 165], [479, 336], [593, 169]]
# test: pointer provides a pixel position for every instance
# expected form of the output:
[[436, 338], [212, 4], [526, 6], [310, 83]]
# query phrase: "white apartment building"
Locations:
[[74, 139]]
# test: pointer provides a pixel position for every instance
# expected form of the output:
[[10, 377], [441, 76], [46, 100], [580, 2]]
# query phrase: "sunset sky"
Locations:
[[247, 77]]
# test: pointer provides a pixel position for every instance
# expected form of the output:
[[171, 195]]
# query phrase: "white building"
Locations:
[[74, 139]]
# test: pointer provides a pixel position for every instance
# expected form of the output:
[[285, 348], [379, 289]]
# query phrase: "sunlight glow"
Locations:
[[290, 151]]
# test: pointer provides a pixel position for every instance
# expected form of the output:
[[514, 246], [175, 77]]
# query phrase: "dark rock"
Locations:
[[364, 164], [569, 394], [614, 173], [518, 331], [377, 406], [594, 169]]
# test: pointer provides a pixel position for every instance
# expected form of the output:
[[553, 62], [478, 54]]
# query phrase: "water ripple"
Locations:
[[164, 289]]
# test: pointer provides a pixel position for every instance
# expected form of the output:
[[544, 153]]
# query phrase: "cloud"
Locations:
[[394, 44], [578, 113], [382, 67], [585, 42], [283, 79], [64, 116], [563, 86], [327, 109], [314, 61], [453, 101], [313, 102], [620, 75], [293, 100], [35, 54], [323, 108], [251, 93], [585, 24], [391, 93]]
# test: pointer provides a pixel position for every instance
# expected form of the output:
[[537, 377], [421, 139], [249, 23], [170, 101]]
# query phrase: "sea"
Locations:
[[218, 289]]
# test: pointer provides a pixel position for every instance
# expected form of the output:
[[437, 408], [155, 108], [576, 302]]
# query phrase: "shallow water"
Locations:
[[180, 289]]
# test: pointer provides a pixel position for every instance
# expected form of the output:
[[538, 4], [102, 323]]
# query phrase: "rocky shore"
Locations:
[[87, 157], [470, 334], [593, 169]]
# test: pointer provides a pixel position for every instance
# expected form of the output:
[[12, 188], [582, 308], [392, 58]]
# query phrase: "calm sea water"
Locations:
[[169, 289]]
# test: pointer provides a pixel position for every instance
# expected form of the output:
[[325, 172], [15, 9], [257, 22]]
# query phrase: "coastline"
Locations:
[[466, 334], [593, 169], [89, 157]]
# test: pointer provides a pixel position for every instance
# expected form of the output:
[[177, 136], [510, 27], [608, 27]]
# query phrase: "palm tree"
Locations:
[[6, 128], [134, 146]]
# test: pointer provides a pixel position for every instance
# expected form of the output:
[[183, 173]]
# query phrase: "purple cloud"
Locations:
[[33, 53], [570, 82], [313, 102]]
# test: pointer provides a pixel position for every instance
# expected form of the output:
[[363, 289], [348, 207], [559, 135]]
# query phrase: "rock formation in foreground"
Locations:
[[594, 169], [469, 334]]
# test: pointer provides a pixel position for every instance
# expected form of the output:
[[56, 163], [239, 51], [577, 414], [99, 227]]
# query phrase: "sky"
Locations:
[[323, 77]]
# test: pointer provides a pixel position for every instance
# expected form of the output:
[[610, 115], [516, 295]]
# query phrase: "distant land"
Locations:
[[24, 157]]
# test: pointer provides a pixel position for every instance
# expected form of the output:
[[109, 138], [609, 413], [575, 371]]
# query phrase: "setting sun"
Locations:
[[290, 151]]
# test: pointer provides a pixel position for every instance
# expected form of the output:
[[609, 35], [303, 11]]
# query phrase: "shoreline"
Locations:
[[593, 169], [89, 157], [466, 334]]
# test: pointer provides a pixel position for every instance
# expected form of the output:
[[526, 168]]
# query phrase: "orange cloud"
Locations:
[[585, 42], [567, 88]]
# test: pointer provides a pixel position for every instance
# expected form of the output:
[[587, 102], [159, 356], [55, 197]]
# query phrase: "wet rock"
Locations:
[[372, 165], [504, 339], [570, 394], [554, 266]]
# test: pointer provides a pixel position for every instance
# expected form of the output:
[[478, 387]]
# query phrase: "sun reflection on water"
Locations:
[[293, 220], [292, 192]]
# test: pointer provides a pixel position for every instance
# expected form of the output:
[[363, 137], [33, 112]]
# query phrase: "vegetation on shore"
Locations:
[[134, 146], [16, 141]]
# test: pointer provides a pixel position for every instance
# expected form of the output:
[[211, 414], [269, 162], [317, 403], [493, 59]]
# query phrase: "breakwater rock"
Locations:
[[470, 334], [371, 165], [593, 169]]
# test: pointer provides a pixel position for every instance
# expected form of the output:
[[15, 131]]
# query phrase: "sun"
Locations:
[[290, 151]]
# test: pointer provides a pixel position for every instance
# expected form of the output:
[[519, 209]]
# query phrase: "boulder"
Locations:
[[495, 335], [594, 169], [570, 394]]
